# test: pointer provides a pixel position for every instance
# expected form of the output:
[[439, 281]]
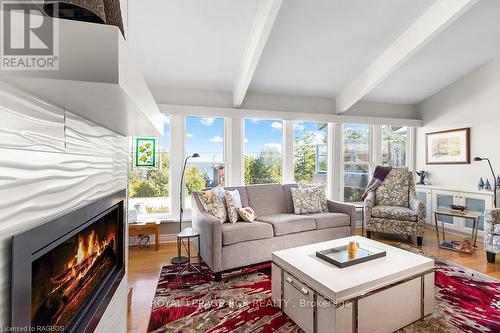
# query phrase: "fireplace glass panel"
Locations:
[[64, 278]]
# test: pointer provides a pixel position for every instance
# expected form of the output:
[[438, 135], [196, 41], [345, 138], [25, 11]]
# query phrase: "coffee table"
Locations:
[[381, 295]]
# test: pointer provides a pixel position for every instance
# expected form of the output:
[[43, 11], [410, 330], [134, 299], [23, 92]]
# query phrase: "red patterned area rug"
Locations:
[[466, 301]]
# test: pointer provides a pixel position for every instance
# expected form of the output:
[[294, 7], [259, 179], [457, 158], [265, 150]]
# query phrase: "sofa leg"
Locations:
[[218, 277], [420, 240], [369, 234], [490, 257]]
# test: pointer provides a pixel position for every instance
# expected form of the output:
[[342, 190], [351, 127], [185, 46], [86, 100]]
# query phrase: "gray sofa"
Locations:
[[226, 246]]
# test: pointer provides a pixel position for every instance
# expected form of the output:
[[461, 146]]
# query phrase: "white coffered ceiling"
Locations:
[[314, 48]]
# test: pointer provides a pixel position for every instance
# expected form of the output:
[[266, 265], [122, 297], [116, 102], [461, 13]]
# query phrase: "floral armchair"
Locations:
[[492, 233], [394, 208]]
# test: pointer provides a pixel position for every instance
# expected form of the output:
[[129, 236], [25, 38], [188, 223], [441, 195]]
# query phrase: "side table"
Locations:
[[146, 228], [474, 216], [188, 234], [361, 206]]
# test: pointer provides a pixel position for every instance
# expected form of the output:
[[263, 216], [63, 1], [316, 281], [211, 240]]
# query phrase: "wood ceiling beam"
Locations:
[[267, 11], [434, 20]]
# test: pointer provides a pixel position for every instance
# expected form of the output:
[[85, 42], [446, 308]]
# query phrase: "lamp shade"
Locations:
[[78, 10], [477, 159], [195, 155], [94, 11], [114, 14]]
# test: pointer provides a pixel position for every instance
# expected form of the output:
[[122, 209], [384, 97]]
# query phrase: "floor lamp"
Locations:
[[180, 259], [478, 159]]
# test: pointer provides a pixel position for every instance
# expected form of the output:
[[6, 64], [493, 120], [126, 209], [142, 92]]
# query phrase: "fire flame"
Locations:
[[88, 250]]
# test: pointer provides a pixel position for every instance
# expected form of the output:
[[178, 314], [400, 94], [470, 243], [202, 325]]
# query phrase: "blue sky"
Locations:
[[205, 136], [301, 127], [260, 133]]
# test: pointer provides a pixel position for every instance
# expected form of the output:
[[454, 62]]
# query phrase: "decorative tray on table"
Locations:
[[342, 256]]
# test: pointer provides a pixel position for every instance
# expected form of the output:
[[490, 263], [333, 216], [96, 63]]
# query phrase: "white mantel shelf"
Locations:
[[454, 189], [97, 79]]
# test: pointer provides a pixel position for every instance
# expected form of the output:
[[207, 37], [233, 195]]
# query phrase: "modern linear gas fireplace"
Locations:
[[65, 272]]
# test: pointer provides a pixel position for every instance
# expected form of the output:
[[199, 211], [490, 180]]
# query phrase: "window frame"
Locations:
[[370, 163], [155, 216], [326, 146], [408, 150], [194, 162], [284, 146]]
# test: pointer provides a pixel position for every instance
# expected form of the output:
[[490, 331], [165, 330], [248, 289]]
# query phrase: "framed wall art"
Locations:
[[448, 147], [145, 152]]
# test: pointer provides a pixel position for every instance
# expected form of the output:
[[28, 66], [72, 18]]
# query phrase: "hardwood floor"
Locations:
[[144, 266]]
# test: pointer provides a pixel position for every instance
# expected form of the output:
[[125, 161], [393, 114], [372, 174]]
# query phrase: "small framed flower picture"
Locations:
[[145, 152]]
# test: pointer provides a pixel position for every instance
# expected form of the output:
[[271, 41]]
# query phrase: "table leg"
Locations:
[[189, 251], [475, 228], [157, 239], [178, 251], [362, 221], [442, 226], [437, 228], [199, 253]]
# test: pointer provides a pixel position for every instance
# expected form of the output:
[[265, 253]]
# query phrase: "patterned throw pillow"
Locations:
[[394, 189], [247, 214], [321, 189], [233, 202], [309, 200], [214, 202]]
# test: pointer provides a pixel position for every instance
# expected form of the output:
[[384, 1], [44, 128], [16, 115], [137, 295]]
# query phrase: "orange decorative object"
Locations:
[[352, 249]]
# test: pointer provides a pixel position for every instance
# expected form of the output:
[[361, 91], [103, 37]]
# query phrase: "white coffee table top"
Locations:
[[339, 284]]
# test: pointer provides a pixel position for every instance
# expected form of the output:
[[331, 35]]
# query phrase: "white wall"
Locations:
[[473, 101], [52, 162]]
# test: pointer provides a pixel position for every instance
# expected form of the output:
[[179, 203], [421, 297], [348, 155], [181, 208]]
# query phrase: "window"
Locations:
[[310, 152], [394, 143], [204, 136], [357, 161], [263, 151], [149, 190]]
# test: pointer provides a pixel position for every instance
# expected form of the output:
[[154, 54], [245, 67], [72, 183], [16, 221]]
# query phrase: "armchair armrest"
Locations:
[[210, 229], [341, 207], [369, 203], [418, 207]]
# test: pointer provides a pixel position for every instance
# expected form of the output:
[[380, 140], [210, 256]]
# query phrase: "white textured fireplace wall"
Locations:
[[51, 162]]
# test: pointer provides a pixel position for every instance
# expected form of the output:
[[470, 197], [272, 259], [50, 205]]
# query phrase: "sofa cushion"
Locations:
[[233, 203], [330, 220], [321, 193], [238, 232], [310, 199], [284, 224], [394, 213], [243, 193], [247, 214], [267, 199], [395, 189], [214, 202]]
